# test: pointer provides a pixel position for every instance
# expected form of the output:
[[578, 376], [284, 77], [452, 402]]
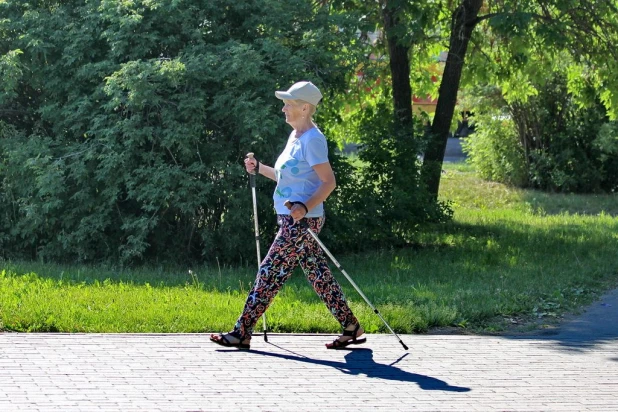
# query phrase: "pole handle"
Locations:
[[251, 156]]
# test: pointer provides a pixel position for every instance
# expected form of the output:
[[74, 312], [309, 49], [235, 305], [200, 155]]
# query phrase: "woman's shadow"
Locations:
[[360, 361]]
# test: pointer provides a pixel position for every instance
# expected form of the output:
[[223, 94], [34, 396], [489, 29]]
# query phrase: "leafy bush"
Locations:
[[494, 150], [550, 142], [559, 135], [606, 143], [385, 202], [124, 126]]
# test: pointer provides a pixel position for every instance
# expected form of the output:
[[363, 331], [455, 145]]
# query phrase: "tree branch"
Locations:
[[492, 15]]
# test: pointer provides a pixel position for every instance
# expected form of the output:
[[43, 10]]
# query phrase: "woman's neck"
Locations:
[[301, 129]]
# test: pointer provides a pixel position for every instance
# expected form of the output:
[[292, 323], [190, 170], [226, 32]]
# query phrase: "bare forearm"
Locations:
[[267, 171]]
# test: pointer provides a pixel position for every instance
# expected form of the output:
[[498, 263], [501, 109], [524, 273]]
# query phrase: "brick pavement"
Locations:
[[574, 370]]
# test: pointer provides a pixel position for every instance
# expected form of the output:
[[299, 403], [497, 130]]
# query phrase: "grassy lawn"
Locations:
[[510, 258]]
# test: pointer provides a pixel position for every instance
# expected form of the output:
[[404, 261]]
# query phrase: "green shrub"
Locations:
[[132, 120], [385, 202], [494, 150], [550, 142], [559, 135], [606, 143], [124, 127]]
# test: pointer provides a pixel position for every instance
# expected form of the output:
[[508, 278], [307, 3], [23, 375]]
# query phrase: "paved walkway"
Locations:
[[573, 370], [453, 151]]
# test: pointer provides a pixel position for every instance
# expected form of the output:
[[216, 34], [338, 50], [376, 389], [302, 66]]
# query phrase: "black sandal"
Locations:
[[222, 340], [337, 344]]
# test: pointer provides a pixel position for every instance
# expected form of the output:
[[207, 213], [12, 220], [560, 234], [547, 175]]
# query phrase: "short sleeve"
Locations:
[[316, 150]]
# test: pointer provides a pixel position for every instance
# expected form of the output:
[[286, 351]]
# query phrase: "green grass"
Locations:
[[509, 257]]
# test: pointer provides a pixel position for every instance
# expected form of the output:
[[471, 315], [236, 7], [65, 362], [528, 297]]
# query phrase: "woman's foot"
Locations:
[[348, 337], [231, 340]]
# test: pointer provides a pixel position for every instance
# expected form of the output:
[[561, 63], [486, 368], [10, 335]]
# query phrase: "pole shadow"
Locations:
[[359, 361]]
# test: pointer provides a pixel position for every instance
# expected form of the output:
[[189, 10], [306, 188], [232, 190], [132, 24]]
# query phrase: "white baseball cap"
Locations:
[[306, 91]]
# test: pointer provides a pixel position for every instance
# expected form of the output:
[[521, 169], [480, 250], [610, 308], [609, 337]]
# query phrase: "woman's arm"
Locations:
[[267, 171], [327, 176]]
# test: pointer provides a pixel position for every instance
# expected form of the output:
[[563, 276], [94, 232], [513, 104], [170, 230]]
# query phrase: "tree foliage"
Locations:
[[123, 127], [124, 123], [555, 87], [503, 43]]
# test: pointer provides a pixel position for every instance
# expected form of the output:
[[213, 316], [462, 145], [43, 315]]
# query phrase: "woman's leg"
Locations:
[[275, 270], [318, 273]]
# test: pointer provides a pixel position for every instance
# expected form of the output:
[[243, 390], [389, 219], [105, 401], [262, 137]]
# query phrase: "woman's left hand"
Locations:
[[297, 212]]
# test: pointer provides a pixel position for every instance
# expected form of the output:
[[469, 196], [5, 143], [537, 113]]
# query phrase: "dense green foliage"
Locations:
[[124, 124], [564, 152], [545, 80], [385, 204], [550, 141], [494, 149]]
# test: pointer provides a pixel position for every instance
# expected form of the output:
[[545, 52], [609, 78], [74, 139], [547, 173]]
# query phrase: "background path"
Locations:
[[453, 151]]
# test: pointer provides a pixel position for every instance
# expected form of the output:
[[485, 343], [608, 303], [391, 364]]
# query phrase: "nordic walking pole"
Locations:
[[257, 233], [304, 225]]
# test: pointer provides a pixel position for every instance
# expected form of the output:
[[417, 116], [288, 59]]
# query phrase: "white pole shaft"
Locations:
[[257, 235], [360, 292]]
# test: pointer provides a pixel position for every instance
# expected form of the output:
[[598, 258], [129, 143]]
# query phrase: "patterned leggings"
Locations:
[[292, 246]]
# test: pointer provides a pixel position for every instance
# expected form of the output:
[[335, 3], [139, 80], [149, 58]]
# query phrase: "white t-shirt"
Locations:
[[296, 179]]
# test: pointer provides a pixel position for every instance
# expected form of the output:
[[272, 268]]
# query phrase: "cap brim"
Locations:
[[284, 95]]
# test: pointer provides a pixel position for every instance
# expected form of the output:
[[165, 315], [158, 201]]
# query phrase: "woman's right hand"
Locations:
[[251, 165]]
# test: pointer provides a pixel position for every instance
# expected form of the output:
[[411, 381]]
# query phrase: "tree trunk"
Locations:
[[400, 72], [462, 25]]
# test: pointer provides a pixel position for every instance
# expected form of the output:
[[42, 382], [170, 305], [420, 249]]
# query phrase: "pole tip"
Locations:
[[404, 345]]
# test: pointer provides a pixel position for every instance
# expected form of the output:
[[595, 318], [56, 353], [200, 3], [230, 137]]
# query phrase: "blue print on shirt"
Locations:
[[284, 192], [291, 163]]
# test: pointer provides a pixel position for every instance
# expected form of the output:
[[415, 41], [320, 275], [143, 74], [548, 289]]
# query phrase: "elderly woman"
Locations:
[[305, 177]]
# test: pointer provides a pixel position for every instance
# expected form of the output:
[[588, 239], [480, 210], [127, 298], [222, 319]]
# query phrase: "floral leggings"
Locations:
[[292, 246]]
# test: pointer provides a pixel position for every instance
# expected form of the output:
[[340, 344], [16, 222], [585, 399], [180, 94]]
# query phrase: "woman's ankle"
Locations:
[[352, 326]]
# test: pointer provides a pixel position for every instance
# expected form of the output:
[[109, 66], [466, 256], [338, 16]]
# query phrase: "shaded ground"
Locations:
[[597, 321]]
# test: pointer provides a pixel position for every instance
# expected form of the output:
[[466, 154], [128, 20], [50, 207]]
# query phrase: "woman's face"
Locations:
[[294, 113]]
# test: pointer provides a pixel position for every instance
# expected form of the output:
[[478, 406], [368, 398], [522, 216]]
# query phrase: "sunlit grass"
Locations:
[[509, 255]]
